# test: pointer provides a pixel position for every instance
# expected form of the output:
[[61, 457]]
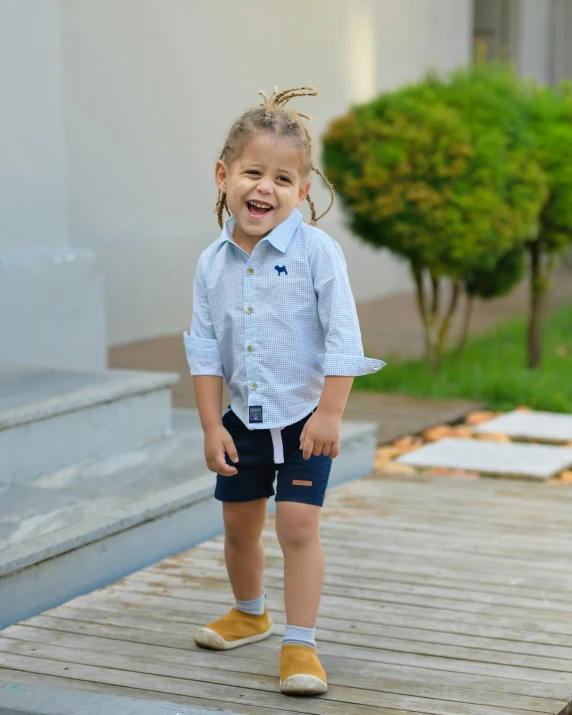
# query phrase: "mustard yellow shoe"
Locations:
[[233, 630], [301, 672]]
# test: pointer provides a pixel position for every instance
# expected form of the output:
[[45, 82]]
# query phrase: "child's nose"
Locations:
[[265, 185]]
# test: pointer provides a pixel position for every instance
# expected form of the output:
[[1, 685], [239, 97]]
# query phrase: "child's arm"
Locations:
[[208, 393], [344, 357], [322, 432], [205, 363]]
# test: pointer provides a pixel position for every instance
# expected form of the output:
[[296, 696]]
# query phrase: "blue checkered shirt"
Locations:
[[276, 322]]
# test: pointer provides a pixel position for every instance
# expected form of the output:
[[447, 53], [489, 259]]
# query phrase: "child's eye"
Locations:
[[253, 171], [284, 178]]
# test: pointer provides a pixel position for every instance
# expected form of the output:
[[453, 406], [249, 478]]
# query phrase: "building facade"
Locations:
[[116, 111], [534, 34]]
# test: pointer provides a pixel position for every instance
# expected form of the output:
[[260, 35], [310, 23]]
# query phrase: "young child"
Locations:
[[273, 314]]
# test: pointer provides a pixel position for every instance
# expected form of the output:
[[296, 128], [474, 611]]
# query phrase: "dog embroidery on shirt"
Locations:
[[281, 269]]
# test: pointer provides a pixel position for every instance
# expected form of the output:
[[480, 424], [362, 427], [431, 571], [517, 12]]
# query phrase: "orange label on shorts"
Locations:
[[301, 483]]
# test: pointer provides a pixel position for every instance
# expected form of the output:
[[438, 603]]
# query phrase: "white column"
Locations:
[[33, 195], [535, 35], [562, 29], [51, 295]]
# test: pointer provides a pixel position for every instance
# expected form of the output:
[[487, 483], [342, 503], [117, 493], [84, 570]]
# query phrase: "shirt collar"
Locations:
[[279, 237]]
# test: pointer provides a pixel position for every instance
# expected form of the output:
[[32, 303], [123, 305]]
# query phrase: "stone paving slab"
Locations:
[[25, 699], [549, 427], [508, 460]]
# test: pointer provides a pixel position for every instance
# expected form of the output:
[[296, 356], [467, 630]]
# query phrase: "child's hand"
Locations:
[[218, 442], [321, 435]]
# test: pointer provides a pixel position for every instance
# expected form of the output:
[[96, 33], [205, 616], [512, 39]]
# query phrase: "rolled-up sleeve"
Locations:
[[201, 346], [337, 312]]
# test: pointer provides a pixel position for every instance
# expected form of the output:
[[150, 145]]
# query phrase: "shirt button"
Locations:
[[249, 310], [253, 386], [250, 348], [250, 271]]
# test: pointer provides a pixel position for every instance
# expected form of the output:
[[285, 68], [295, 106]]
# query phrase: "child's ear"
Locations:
[[303, 191], [221, 173]]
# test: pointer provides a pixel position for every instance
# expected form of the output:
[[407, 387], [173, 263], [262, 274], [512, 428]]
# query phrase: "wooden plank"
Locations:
[[365, 590], [154, 610], [376, 495], [369, 600], [410, 631], [460, 540], [443, 525], [22, 677], [415, 511], [386, 571], [482, 487], [346, 635], [177, 609], [423, 648], [167, 685], [110, 665], [441, 597], [466, 567], [425, 551], [518, 641], [382, 567], [120, 627], [368, 678]]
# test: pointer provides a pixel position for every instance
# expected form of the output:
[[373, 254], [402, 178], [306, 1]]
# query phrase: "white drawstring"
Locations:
[[276, 435]]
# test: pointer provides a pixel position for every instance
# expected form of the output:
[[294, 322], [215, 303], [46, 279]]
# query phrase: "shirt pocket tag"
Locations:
[[255, 414]]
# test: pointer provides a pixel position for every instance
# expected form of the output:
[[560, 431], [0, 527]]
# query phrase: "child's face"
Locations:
[[263, 185]]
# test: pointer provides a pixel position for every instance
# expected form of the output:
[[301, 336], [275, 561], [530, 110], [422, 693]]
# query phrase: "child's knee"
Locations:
[[297, 525], [243, 523]]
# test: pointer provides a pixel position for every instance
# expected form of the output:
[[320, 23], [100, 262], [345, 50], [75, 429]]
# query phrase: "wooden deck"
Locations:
[[443, 595]]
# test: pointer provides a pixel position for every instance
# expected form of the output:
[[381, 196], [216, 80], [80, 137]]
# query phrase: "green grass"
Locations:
[[492, 369]]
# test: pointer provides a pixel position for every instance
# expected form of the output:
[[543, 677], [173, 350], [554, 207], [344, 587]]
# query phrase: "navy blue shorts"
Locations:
[[298, 480]]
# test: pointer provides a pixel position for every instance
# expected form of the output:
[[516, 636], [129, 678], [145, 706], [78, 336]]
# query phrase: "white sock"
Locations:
[[254, 607], [296, 635]]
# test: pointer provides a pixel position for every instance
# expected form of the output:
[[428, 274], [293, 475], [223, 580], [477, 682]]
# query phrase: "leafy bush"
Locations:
[[443, 174]]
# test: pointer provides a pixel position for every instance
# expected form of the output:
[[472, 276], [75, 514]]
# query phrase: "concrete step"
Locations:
[[52, 418], [86, 526]]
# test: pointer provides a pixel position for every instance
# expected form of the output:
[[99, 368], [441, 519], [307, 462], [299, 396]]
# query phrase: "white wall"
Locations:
[[150, 90], [33, 200]]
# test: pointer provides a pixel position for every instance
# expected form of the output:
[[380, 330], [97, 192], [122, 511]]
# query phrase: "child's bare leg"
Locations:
[[298, 530], [243, 549], [248, 621]]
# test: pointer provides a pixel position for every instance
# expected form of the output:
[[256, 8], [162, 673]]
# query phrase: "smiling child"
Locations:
[[273, 315]]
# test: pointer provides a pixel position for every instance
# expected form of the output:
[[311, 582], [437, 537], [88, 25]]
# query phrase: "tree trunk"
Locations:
[[539, 282], [446, 322], [423, 312], [435, 329], [469, 302]]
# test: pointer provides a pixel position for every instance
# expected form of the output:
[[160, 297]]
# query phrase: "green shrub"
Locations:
[[441, 173]]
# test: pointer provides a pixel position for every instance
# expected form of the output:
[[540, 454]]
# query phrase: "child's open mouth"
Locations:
[[258, 209]]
